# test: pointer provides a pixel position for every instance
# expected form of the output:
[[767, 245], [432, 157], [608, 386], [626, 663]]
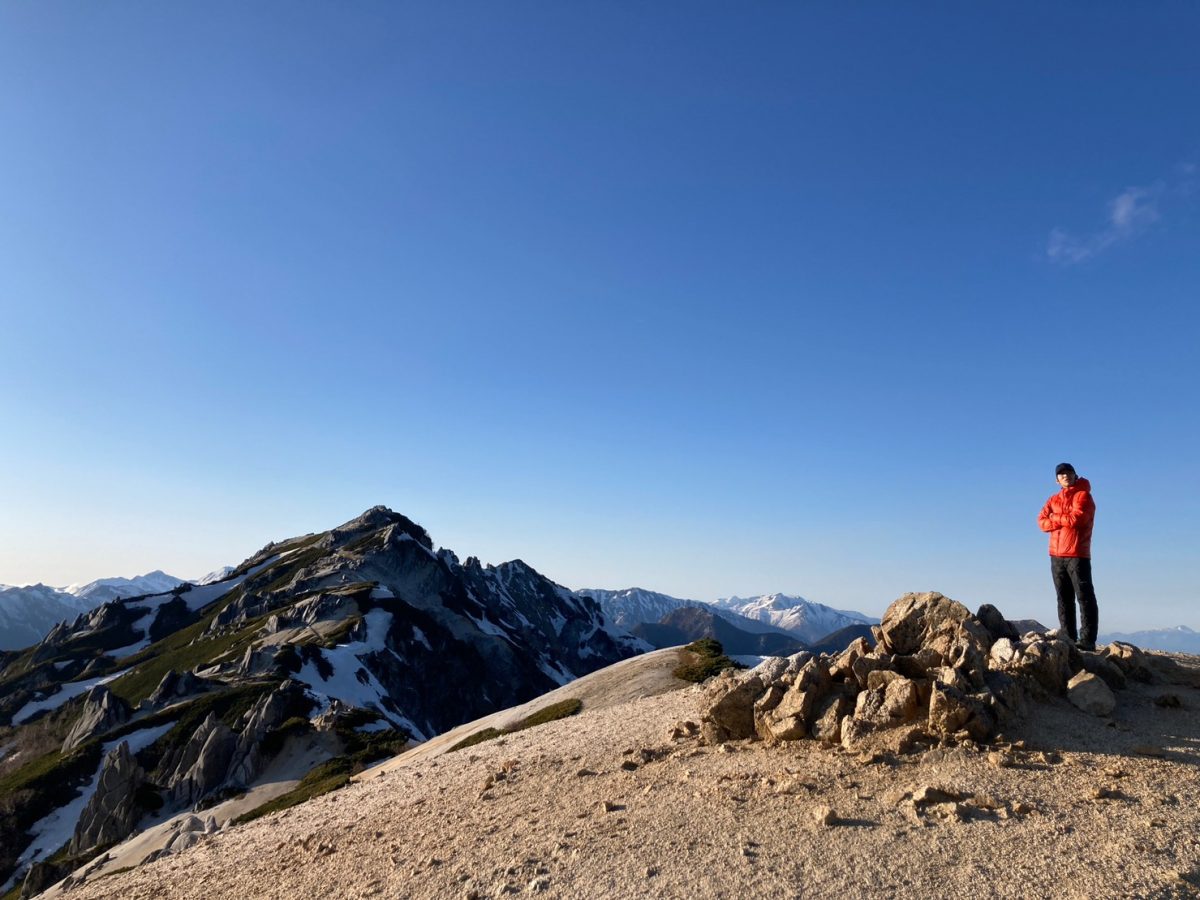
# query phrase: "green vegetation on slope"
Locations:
[[702, 660], [554, 711], [362, 749]]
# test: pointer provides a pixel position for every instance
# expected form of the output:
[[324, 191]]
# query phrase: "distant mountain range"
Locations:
[[1179, 639], [805, 619], [772, 620], [633, 606], [691, 623], [28, 613], [104, 589]]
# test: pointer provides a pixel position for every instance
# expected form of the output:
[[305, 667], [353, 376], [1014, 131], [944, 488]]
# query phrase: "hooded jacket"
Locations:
[[1068, 516]]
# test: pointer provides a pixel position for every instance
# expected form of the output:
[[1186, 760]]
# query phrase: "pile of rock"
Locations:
[[937, 674]]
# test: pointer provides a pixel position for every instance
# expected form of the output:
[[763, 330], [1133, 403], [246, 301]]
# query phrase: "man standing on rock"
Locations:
[[1068, 516]]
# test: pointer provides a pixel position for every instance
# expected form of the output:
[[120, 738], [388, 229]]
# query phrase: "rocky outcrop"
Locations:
[[113, 812], [201, 765], [271, 711], [185, 832], [377, 519], [102, 711], [217, 757], [1091, 694], [938, 674], [173, 686]]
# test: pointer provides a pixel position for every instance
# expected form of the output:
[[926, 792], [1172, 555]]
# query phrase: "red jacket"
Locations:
[[1068, 516]]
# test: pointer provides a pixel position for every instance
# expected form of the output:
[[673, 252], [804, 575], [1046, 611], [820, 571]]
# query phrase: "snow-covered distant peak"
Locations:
[[628, 607], [217, 575], [765, 601], [104, 589], [807, 620]]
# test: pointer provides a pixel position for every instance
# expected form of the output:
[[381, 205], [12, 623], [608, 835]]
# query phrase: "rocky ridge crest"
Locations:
[[937, 675]]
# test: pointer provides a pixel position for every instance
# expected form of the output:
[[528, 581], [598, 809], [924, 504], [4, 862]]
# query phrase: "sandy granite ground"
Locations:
[[608, 804]]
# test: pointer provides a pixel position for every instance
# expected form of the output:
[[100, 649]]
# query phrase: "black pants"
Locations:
[[1073, 579]]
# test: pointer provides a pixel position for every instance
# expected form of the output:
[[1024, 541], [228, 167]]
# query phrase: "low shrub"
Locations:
[[702, 660]]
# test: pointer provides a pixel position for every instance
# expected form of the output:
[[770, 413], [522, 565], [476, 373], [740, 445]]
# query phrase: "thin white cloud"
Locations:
[[1132, 208], [1129, 214]]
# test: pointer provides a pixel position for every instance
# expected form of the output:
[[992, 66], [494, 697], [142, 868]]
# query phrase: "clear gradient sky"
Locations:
[[704, 298]]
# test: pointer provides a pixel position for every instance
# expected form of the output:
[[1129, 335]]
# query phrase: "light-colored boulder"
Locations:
[[934, 623], [863, 666], [952, 711], [790, 718], [893, 701], [880, 678], [827, 718], [1004, 653], [901, 700], [1132, 661], [730, 707], [843, 666], [1048, 661], [1091, 694]]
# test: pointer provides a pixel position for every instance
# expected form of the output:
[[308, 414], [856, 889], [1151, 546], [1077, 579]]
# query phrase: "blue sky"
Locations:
[[702, 299]]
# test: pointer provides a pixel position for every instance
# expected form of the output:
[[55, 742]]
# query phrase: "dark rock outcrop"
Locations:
[[102, 711], [174, 686], [271, 711], [997, 626], [201, 765], [113, 812]]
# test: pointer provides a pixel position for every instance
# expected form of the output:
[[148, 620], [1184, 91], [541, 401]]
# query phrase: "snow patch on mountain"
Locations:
[[350, 681], [216, 575], [54, 701], [57, 827]]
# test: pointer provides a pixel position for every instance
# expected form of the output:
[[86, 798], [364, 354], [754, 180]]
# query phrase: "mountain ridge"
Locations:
[[806, 619], [358, 639]]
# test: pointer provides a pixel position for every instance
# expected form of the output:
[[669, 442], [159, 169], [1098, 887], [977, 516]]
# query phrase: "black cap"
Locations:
[[1063, 467]]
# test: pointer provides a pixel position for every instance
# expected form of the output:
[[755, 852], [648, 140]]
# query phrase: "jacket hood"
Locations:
[[1081, 484]]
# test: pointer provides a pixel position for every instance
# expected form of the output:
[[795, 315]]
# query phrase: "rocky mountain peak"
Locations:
[[375, 519], [210, 682]]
